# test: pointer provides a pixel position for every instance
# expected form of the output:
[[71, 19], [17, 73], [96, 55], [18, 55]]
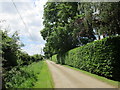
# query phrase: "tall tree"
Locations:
[[106, 20], [69, 25], [10, 47]]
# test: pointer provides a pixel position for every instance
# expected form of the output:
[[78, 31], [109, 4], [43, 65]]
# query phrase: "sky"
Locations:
[[31, 12]]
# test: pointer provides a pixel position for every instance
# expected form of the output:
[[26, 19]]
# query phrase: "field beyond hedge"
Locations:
[[99, 57]]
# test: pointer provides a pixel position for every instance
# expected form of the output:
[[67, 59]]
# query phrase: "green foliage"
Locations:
[[58, 31], [54, 58], [14, 78], [10, 48], [36, 57], [48, 51], [99, 57], [44, 79], [23, 77], [35, 75], [69, 25], [12, 61], [25, 59], [109, 17]]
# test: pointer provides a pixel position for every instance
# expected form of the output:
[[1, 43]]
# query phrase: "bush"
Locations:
[[99, 57], [15, 77], [22, 77]]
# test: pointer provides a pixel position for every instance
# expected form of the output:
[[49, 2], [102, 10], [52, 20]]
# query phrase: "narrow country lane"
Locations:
[[65, 77]]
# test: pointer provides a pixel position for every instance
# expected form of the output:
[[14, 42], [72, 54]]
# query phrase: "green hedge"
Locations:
[[54, 58], [100, 57]]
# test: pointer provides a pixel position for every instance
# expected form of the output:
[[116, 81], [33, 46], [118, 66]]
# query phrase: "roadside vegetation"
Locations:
[[69, 25], [44, 78], [73, 32], [23, 77], [20, 70], [99, 57]]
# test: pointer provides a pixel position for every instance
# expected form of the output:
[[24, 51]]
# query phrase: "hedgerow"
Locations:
[[23, 77], [100, 57], [54, 58]]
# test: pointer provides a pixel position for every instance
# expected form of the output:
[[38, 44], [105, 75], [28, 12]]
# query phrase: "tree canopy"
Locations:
[[69, 25]]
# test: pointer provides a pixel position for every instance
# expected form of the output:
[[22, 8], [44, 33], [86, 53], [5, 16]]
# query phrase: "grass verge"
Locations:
[[103, 79], [33, 70], [44, 79]]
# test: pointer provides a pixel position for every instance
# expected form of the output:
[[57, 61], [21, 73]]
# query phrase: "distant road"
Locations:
[[65, 77]]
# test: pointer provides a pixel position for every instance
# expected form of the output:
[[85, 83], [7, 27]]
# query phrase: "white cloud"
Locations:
[[32, 13], [34, 49]]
